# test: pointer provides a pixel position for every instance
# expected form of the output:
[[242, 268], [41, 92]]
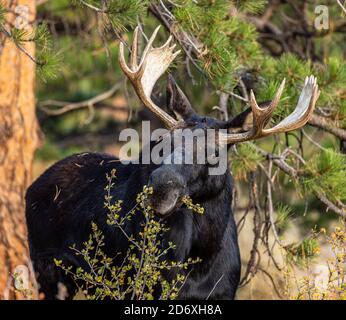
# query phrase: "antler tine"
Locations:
[[261, 112], [303, 111], [134, 49], [261, 116], [122, 62], [298, 118], [152, 65], [167, 44], [149, 45], [278, 94]]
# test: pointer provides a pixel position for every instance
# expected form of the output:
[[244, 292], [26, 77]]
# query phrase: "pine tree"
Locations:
[[18, 142]]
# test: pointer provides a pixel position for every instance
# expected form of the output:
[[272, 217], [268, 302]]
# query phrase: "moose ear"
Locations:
[[244, 120], [177, 102]]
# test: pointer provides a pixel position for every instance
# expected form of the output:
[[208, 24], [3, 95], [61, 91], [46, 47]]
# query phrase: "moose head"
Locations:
[[173, 179]]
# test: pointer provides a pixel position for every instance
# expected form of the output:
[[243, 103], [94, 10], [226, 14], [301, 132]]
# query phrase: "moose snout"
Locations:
[[168, 187]]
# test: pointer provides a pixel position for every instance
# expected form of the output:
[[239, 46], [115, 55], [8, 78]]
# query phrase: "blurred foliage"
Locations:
[[328, 281], [244, 159], [120, 14], [283, 216], [46, 59], [325, 174]]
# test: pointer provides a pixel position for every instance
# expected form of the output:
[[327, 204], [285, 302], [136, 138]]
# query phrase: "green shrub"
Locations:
[[144, 265]]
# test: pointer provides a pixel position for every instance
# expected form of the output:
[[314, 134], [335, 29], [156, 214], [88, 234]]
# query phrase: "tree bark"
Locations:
[[18, 142]]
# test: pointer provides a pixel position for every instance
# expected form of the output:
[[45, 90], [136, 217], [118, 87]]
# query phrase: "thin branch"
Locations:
[[272, 281], [90, 6], [235, 95], [212, 290], [312, 140], [223, 103], [292, 172], [279, 162], [100, 29], [330, 205], [270, 205], [254, 260], [69, 106], [21, 48], [189, 45], [341, 5]]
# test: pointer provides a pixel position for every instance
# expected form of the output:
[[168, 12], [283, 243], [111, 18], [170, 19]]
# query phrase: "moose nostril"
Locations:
[[166, 179]]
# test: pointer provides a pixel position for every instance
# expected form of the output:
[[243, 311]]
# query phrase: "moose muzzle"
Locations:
[[168, 186]]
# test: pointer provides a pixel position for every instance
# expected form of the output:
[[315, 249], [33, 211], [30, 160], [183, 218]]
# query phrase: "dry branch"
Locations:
[[294, 173], [328, 126], [70, 106]]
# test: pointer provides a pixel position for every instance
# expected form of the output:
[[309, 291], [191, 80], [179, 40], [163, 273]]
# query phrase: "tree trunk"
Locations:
[[18, 142]]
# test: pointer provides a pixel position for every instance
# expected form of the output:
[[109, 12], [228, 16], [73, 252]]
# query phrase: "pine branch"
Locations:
[[191, 46], [322, 123], [8, 35], [330, 205], [295, 174]]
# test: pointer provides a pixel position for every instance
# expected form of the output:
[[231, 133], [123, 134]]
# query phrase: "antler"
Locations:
[[144, 75], [298, 118]]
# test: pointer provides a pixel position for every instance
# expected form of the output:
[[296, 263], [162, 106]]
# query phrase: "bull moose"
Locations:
[[57, 221]]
